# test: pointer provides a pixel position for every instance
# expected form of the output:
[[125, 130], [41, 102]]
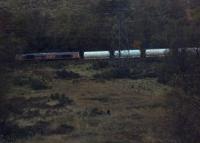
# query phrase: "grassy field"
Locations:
[[49, 105]]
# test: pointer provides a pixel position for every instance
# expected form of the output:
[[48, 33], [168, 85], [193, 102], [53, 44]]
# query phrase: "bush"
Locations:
[[182, 71], [34, 83], [120, 72], [63, 74], [21, 80], [130, 69], [94, 112], [185, 117], [62, 99], [100, 65], [37, 84], [10, 132]]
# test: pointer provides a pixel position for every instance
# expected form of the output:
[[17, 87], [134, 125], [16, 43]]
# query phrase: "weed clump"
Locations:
[[120, 72], [63, 129], [100, 65], [133, 71], [64, 74], [10, 132], [62, 99], [32, 82], [94, 112], [21, 80], [185, 117], [38, 84]]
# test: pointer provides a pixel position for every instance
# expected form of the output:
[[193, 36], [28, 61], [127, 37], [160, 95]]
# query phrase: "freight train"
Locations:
[[96, 54]]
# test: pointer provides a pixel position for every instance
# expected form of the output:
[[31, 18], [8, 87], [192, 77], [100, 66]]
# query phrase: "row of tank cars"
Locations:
[[95, 54]]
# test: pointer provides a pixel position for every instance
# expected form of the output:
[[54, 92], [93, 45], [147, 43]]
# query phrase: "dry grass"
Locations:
[[104, 111]]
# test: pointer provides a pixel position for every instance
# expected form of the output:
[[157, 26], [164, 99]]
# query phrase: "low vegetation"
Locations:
[[182, 72], [85, 109], [32, 82], [133, 70], [144, 101], [64, 74]]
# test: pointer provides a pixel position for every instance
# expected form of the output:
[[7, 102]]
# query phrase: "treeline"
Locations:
[[75, 25]]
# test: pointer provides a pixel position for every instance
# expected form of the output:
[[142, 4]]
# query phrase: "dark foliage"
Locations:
[[34, 83], [10, 132], [133, 70], [94, 112], [62, 99], [38, 85], [120, 72], [182, 72], [100, 65], [185, 117], [64, 74], [161, 23]]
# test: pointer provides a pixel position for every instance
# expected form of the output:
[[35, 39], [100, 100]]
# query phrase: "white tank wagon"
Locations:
[[97, 55], [127, 54], [157, 52]]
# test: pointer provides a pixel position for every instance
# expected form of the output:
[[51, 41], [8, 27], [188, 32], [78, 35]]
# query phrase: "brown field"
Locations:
[[89, 110]]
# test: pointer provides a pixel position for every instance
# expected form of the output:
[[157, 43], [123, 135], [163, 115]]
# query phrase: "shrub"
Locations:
[[182, 72], [21, 80], [63, 74], [55, 96], [34, 83], [100, 65], [185, 117], [120, 72], [10, 132], [94, 112], [37, 84], [61, 98]]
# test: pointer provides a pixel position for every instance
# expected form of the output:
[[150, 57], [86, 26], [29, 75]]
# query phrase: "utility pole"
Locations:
[[123, 40], [119, 10], [120, 29]]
